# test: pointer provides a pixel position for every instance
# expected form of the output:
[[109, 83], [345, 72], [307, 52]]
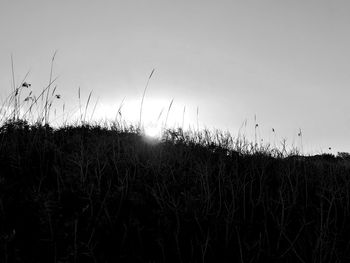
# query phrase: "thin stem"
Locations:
[[14, 88], [143, 96]]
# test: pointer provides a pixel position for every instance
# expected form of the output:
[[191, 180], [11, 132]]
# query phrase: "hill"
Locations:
[[95, 194]]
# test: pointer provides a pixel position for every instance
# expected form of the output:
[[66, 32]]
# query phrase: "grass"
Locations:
[[104, 193]]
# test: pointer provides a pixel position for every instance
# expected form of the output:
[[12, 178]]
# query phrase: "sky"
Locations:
[[281, 64]]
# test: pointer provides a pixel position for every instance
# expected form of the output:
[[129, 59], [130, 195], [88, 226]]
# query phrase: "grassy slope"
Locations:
[[89, 194]]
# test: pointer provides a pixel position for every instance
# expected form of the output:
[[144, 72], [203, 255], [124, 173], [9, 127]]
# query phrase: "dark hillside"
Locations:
[[92, 194]]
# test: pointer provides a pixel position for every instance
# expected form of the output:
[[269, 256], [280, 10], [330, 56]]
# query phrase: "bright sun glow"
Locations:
[[153, 130], [155, 114]]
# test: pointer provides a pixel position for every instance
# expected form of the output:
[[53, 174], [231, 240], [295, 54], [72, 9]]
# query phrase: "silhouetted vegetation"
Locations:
[[107, 193], [95, 194]]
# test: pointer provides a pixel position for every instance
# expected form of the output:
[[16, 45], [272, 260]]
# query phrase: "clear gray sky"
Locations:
[[287, 62]]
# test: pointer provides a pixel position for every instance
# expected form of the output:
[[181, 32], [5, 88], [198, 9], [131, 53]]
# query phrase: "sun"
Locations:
[[153, 130]]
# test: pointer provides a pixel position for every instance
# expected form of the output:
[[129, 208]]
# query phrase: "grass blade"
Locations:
[[167, 115], [86, 106], [143, 96]]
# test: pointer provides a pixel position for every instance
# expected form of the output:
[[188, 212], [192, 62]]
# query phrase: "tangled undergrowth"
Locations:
[[101, 194]]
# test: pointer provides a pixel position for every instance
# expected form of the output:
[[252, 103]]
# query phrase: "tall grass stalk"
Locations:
[[183, 117], [143, 97], [80, 113], [160, 114], [256, 125], [46, 110], [119, 111], [40, 96], [14, 88], [93, 111], [16, 97], [300, 135], [86, 106], [167, 114]]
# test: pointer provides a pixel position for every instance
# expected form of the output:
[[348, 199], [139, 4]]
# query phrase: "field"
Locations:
[[99, 193]]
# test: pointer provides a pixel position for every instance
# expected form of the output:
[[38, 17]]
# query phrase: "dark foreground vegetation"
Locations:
[[93, 194]]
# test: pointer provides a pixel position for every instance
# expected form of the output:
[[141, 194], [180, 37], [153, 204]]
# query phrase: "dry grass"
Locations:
[[104, 193]]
